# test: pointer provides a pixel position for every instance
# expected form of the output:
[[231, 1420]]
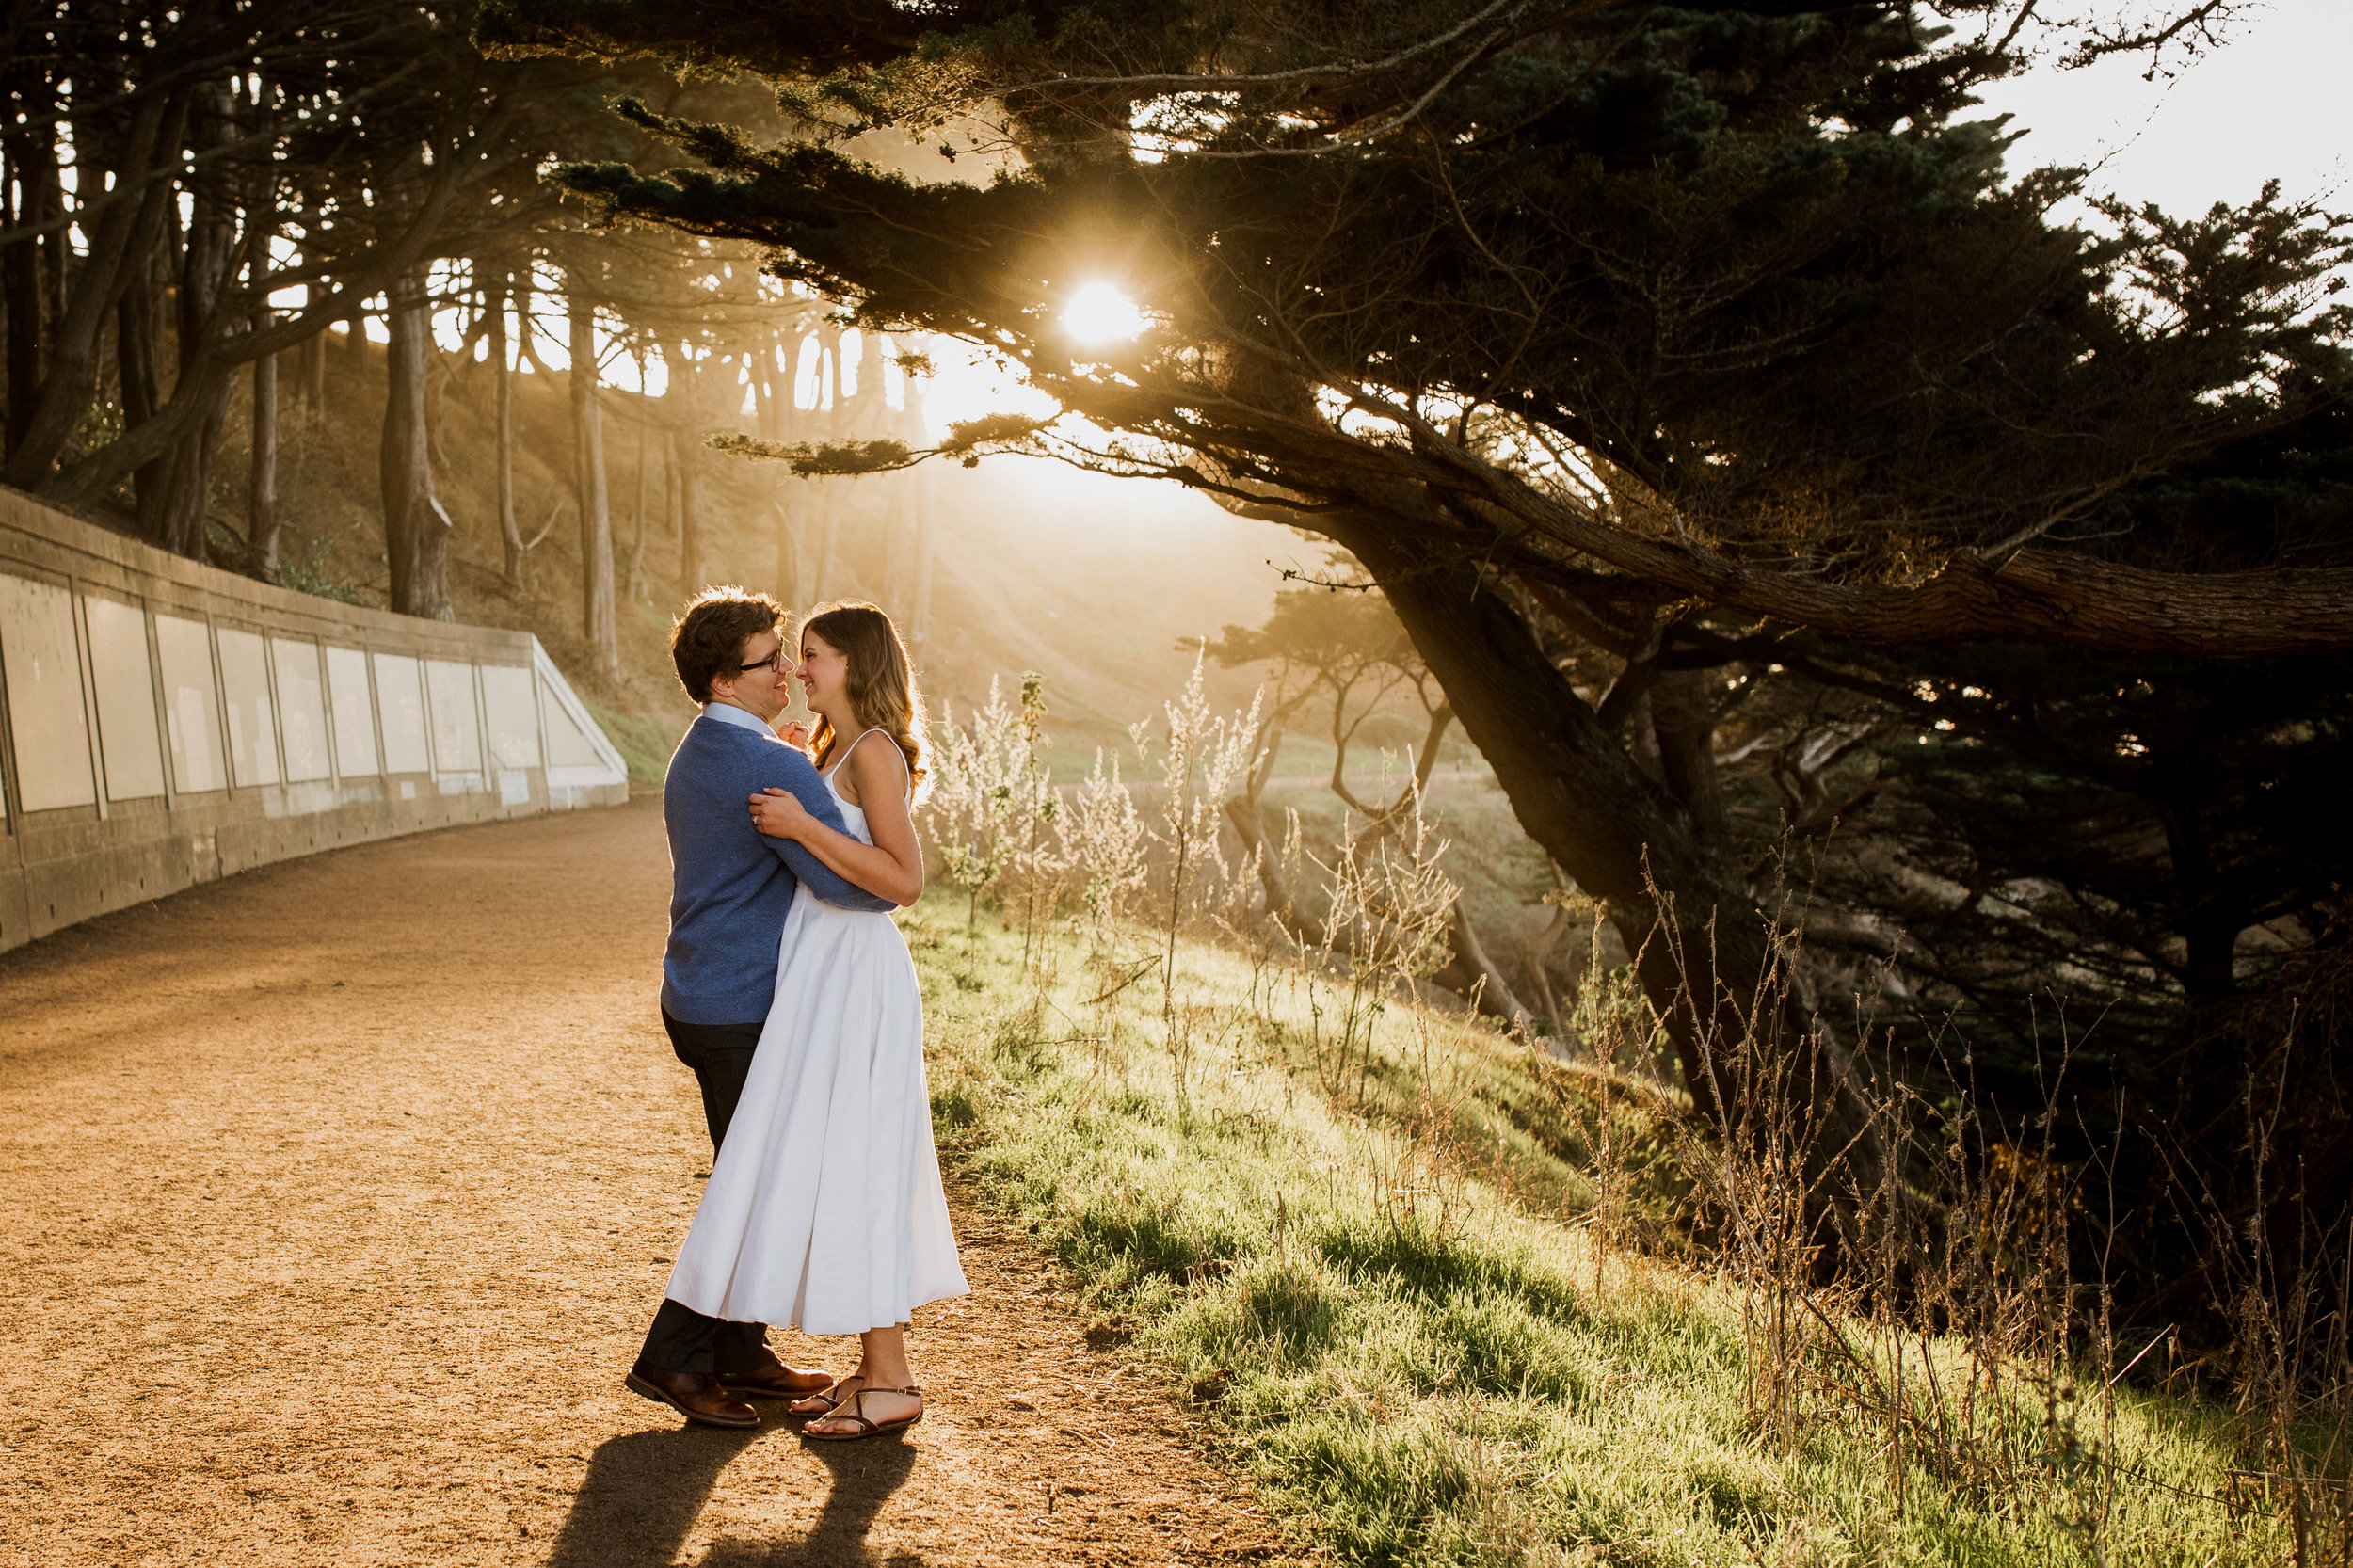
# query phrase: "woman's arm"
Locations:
[[795, 777], [892, 866]]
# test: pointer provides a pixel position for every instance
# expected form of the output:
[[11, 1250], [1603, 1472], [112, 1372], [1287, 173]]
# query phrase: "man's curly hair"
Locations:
[[707, 642]]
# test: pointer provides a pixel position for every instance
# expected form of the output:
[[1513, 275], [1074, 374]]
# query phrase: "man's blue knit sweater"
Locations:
[[731, 885]]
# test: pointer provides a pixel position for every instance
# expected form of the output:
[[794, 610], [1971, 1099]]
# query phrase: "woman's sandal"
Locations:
[[831, 1398], [858, 1412]]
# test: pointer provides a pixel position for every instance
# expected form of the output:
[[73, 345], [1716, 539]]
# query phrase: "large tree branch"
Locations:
[[2035, 595]]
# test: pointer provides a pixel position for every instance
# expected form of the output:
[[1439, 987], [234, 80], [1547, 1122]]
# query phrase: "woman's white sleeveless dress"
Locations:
[[825, 1209]]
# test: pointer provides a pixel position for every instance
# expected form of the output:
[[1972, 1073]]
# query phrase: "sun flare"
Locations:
[[1098, 313]]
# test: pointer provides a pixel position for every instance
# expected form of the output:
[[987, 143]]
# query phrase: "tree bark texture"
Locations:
[[416, 529], [645, 470], [140, 384], [311, 371], [175, 518], [261, 507], [19, 276], [502, 394], [2058, 597], [599, 615], [1683, 719]]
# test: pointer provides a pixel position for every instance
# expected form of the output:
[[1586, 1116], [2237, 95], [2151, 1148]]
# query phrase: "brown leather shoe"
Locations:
[[696, 1396], [776, 1382]]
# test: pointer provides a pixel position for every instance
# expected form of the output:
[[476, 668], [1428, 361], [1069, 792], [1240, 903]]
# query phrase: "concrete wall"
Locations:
[[163, 723]]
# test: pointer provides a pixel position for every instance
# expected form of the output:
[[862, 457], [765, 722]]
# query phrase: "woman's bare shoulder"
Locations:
[[878, 767]]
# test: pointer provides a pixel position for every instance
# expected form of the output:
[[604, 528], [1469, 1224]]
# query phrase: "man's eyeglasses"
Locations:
[[767, 664]]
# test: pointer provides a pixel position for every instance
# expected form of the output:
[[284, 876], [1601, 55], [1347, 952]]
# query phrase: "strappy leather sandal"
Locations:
[[858, 1412], [832, 1400]]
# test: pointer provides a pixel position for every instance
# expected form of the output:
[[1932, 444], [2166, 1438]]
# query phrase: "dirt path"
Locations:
[[336, 1199]]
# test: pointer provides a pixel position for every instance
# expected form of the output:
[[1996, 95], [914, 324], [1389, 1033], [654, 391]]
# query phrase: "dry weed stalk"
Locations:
[[2289, 1302], [1200, 756]]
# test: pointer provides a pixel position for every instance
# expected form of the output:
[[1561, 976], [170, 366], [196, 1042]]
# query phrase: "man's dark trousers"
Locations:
[[681, 1338]]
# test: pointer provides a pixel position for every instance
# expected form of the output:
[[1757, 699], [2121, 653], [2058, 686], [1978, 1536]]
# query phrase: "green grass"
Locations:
[[644, 745], [1379, 1290]]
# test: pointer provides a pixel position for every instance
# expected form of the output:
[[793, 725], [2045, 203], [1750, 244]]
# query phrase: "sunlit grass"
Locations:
[[1383, 1293], [645, 744]]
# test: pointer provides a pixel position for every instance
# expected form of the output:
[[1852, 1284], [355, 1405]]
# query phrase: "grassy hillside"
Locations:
[[1386, 1281]]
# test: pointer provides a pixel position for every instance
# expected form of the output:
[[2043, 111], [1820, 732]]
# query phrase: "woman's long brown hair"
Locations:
[[881, 683]]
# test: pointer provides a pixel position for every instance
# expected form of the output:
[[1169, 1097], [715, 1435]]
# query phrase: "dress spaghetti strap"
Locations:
[[906, 771]]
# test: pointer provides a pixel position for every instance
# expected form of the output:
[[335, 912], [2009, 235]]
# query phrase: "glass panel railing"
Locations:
[[191, 705], [400, 703], [348, 693], [125, 680], [45, 713]]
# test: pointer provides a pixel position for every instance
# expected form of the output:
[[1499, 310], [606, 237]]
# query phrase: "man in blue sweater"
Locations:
[[730, 889]]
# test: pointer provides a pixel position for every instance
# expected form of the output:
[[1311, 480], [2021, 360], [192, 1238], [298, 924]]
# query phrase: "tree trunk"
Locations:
[[259, 199], [1703, 952], [175, 518], [57, 245], [1683, 718], [787, 502], [1282, 905], [828, 418], [311, 370], [599, 615], [122, 230], [926, 517], [645, 467], [684, 462], [669, 488], [20, 277], [763, 397], [142, 387], [1473, 976], [502, 467], [416, 529], [120, 234], [261, 506]]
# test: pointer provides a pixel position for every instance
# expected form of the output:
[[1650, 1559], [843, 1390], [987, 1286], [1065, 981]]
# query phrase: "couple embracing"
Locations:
[[789, 991]]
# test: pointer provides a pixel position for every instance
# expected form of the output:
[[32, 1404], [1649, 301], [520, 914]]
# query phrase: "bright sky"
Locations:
[[2272, 102]]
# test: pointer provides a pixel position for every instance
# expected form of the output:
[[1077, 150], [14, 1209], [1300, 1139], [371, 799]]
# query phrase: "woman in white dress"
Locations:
[[824, 1208]]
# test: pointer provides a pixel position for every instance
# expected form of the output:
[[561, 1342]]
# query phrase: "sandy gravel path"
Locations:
[[336, 1199]]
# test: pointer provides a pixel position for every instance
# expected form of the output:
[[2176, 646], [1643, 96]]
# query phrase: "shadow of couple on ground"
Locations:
[[642, 1491]]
